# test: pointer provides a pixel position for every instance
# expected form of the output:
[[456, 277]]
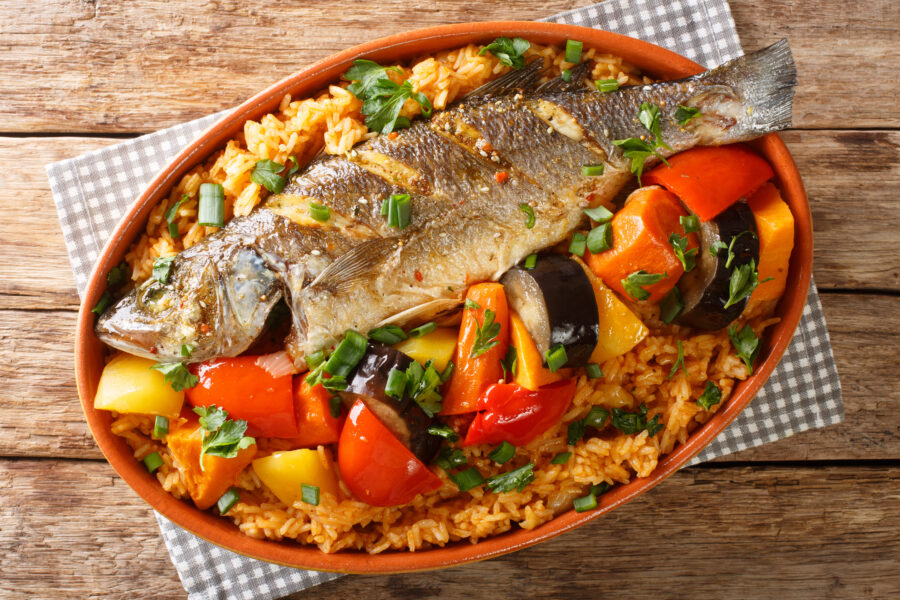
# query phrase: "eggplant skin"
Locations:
[[556, 302], [403, 418], [706, 289]]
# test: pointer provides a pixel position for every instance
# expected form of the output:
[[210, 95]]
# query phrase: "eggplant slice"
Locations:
[[403, 418], [705, 289], [556, 302]]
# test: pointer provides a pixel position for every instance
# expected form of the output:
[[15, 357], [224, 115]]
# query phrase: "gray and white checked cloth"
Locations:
[[93, 191]]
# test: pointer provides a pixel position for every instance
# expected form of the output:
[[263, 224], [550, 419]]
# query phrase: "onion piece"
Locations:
[[277, 364]]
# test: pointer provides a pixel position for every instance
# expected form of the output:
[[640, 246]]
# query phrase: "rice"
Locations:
[[331, 122]]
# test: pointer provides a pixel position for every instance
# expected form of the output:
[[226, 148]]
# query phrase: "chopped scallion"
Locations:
[[389, 334], [468, 479], [530, 261], [566, 75], [309, 494], [556, 357], [447, 372], [599, 213], [600, 238], [228, 500], [423, 329], [104, 301], [319, 212], [444, 431], [172, 213], [315, 359], [606, 85], [396, 383], [160, 427], [690, 223], [578, 245], [593, 371], [347, 354], [585, 503], [153, 461], [573, 51], [399, 211], [596, 417], [600, 488], [334, 406], [212, 205], [671, 306], [502, 453], [575, 432], [529, 215], [561, 458], [592, 170]]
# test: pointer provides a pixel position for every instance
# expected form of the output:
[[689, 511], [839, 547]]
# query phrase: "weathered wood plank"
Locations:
[[724, 533], [100, 66], [40, 414], [854, 248]]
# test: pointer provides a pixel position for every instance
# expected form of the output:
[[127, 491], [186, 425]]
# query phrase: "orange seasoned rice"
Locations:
[[332, 122]]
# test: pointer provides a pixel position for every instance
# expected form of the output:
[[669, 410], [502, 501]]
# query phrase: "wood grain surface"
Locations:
[[814, 516]]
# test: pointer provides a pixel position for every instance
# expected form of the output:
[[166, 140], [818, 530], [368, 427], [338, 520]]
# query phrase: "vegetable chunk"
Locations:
[[129, 385]]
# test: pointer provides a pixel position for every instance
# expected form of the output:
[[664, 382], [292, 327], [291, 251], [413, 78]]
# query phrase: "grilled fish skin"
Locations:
[[354, 272]]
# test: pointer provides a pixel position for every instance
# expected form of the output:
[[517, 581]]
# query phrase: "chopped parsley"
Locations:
[[529, 215], [103, 303], [273, 175], [679, 362], [746, 344], [116, 275], [575, 432], [422, 385], [510, 52], [638, 150], [744, 280], [162, 266], [716, 246], [470, 304], [485, 335], [671, 306], [223, 436], [690, 223], [686, 113], [177, 375], [731, 254], [637, 422], [513, 480], [508, 362], [187, 350], [634, 283], [711, 396], [382, 97], [687, 258]]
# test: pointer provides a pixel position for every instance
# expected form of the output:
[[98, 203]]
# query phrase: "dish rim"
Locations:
[[650, 59]]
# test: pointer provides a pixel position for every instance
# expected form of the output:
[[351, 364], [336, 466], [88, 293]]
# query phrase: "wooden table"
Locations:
[[813, 516]]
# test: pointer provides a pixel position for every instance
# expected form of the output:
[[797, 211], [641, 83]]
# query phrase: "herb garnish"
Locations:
[[711, 395], [177, 375], [529, 215], [102, 304], [509, 52], [629, 423], [670, 306], [686, 113], [116, 275], [273, 175], [444, 431], [224, 437], [172, 213], [389, 334], [468, 479], [601, 214], [502, 453], [470, 304], [398, 210], [382, 98], [606, 85], [422, 385], [556, 357], [513, 480], [731, 254], [593, 371], [485, 335], [578, 244], [561, 458], [690, 223], [688, 258], [679, 362], [187, 350], [508, 362], [634, 283], [161, 268], [746, 344], [744, 279], [575, 432], [599, 239], [450, 458], [309, 494], [716, 246], [596, 417], [639, 150]]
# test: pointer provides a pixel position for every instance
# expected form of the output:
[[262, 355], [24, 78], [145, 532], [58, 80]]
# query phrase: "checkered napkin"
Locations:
[[93, 191]]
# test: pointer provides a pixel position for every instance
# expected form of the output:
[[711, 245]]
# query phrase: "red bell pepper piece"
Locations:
[[377, 468], [247, 391], [314, 421], [516, 414], [710, 179]]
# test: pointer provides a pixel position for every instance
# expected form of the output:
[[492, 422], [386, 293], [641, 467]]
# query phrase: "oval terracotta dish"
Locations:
[[652, 60]]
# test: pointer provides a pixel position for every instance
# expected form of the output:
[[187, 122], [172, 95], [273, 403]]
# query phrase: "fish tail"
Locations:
[[765, 82]]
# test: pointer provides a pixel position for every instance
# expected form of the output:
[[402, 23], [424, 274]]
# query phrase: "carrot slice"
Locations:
[[710, 179], [775, 227], [473, 374], [530, 370], [314, 421], [640, 233]]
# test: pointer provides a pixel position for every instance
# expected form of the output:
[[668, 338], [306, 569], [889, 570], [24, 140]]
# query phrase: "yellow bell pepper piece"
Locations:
[[285, 473], [437, 345], [129, 385]]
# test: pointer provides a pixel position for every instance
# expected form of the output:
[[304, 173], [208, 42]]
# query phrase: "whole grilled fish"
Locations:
[[467, 225]]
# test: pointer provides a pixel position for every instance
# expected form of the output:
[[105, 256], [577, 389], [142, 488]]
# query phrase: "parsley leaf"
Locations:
[[690, 223], [162, 266], [716, 246], [272, 175], [744, 279], [422, 384], [746, 344], [688, 258], [731, 254], [630, 423], [649, 118], [638, 150], [671, 306], [711, 395], [508, 362], [471, 304], [172, 213], [686, 113], [369, 78], [679, 362], [634, 283], [509, 52], [103, 303], [116, 275], [575, 432], [485, 335], [512, 480], [382, 97], [223, 436], [177, 375]]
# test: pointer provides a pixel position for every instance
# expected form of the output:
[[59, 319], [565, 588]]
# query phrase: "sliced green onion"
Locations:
[[585, 503], [578, 245], [573, 51], [389, 334], [444, 431], [309, 494], [556, 357], [102, 304], [171, 214], [160, 427], [599, 213], [592, 170], [596, 417], [423, 329], [600, 488], [566, 75], [468, 479], [530, 261], [315, 359], [529, 215], [399, 211], [347, 354], [228, 500], [396, 383], [385, 207], [335, 405], [448, 371], [153, 461], [671, 306], [212, 205], [319, 212], [575, 432], [561, 458], [502, 453], [593, 371], [606, 85], [600, 238]]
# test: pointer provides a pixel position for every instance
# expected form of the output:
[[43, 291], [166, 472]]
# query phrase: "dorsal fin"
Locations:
[[516, 80], [576, 81]]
